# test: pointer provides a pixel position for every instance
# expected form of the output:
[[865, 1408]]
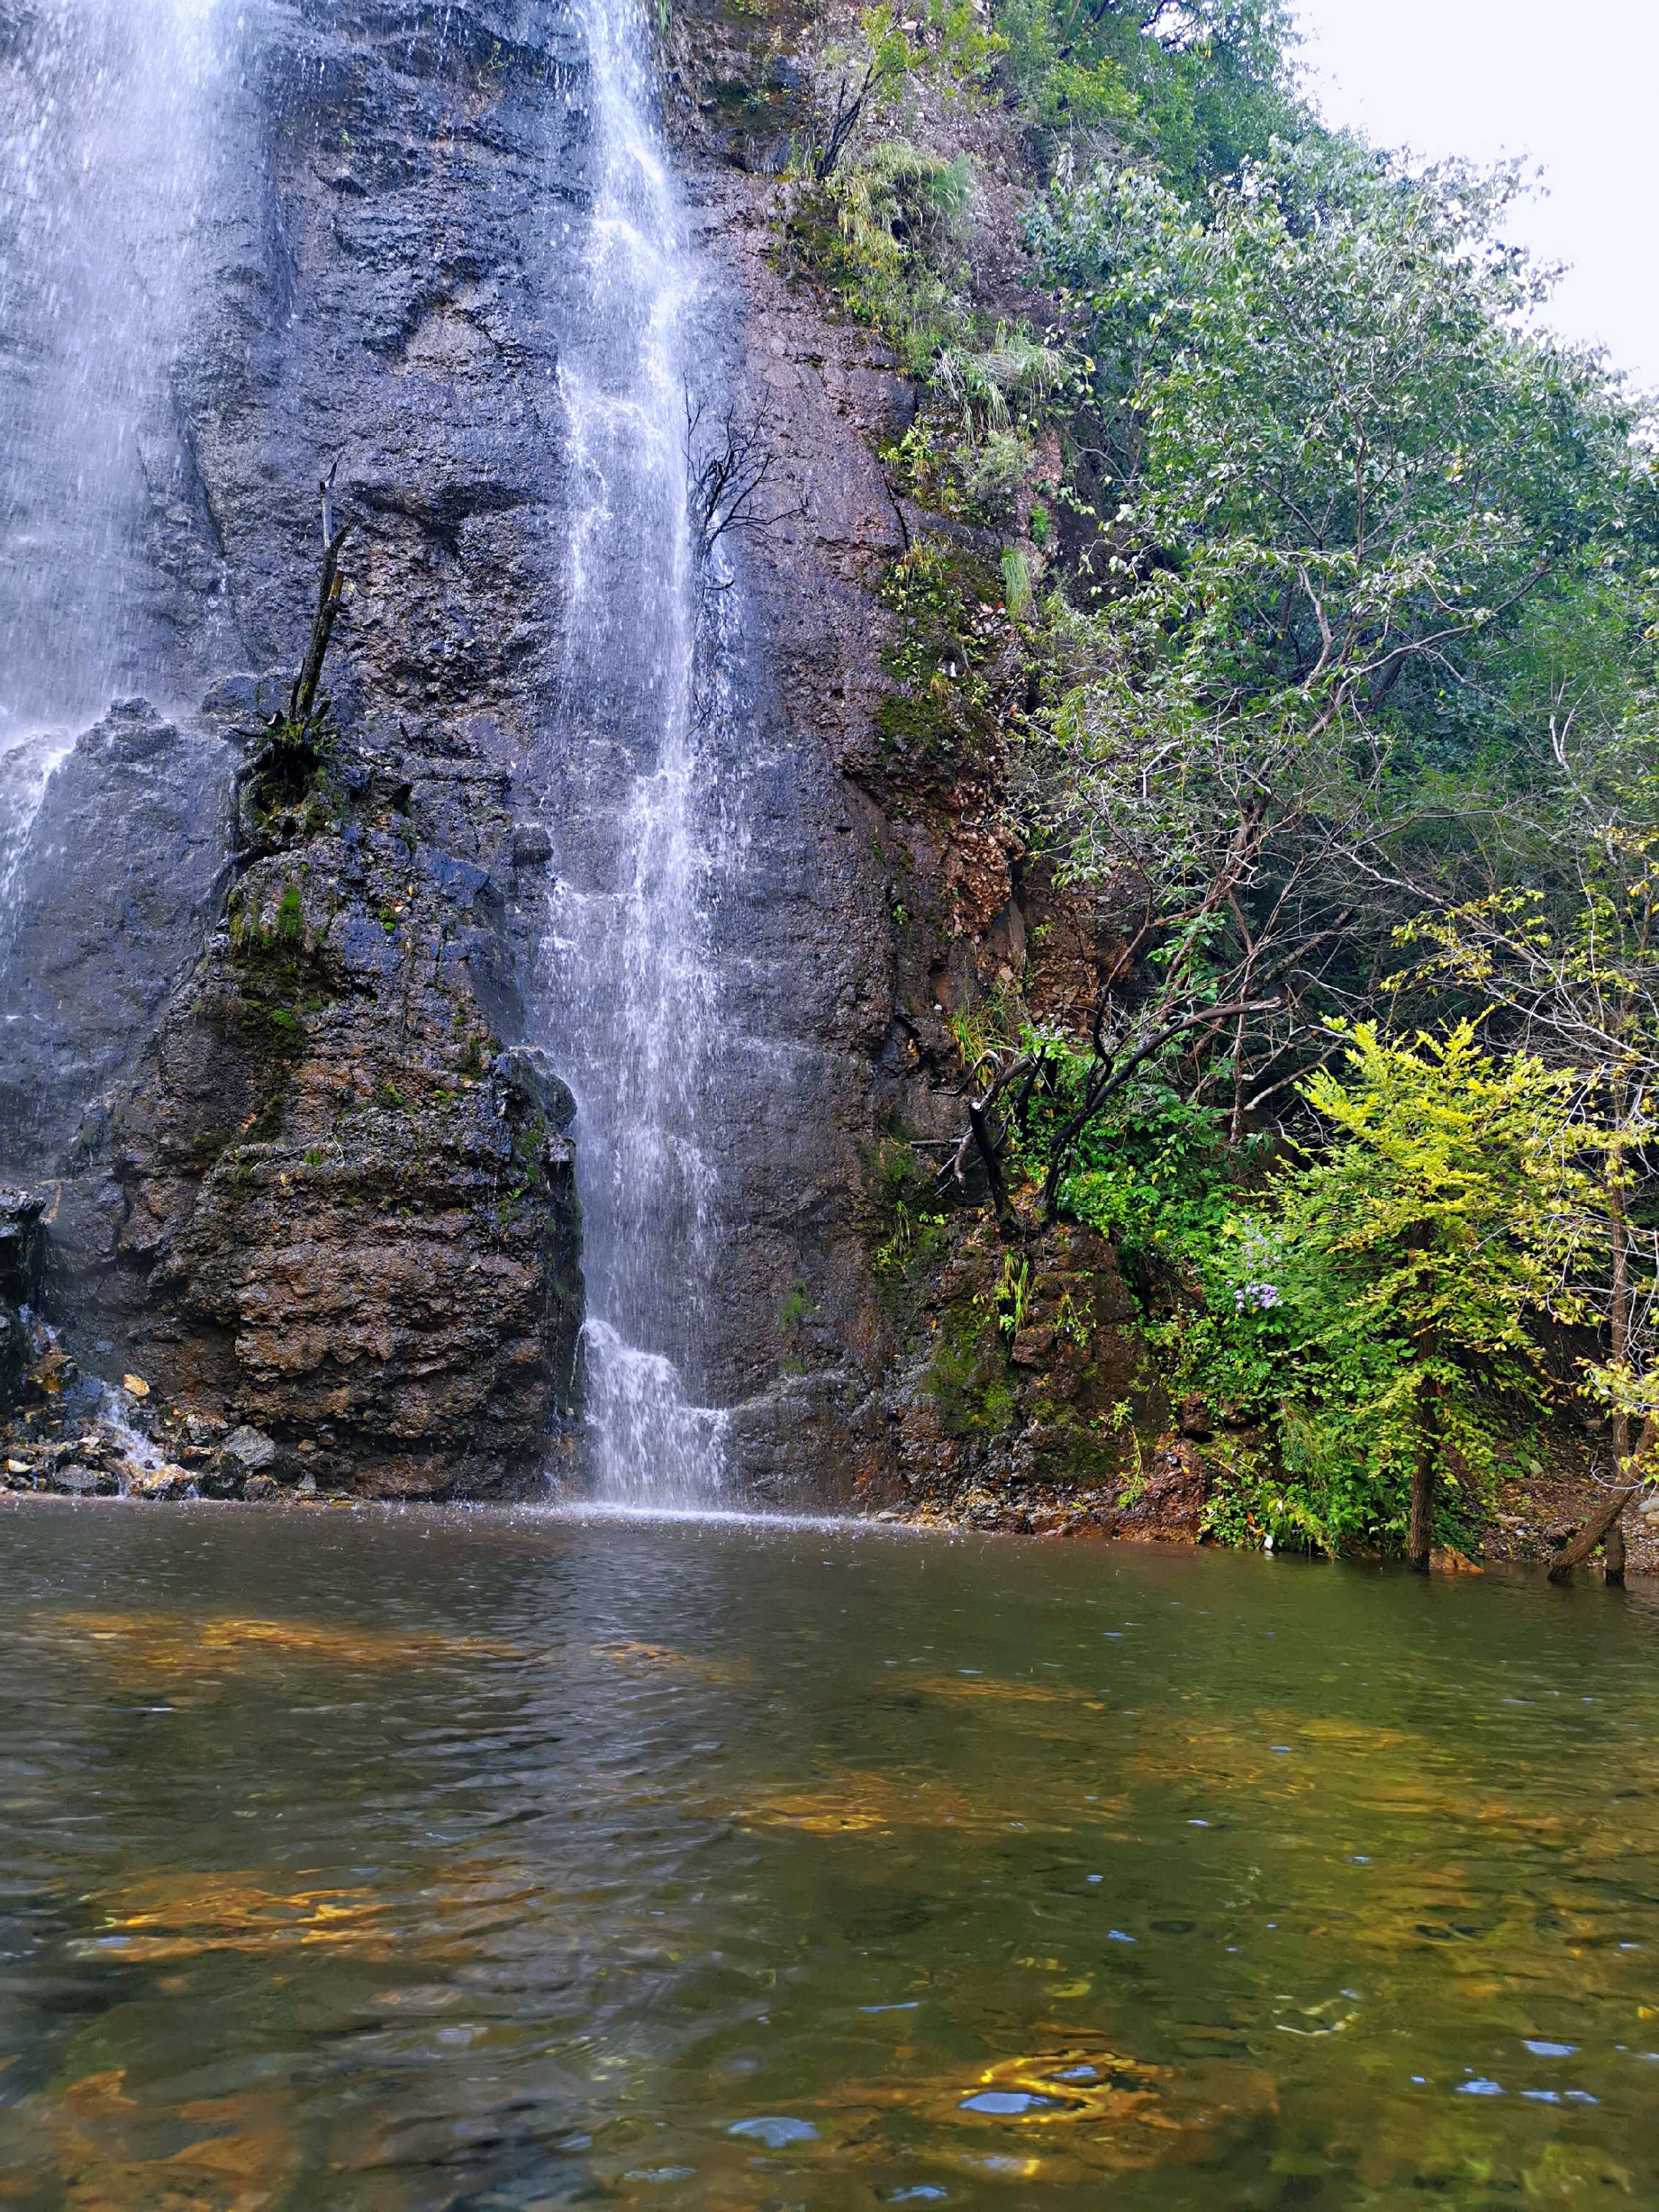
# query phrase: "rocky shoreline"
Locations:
[[77, 1441]]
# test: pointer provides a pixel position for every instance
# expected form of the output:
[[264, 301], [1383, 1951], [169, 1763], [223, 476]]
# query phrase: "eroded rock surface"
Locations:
[[22, 1260], [349, 1204], [389, 280], [123, 872]]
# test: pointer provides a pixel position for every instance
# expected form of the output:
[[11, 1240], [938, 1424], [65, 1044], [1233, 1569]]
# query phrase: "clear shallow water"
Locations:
[[417, 1861]]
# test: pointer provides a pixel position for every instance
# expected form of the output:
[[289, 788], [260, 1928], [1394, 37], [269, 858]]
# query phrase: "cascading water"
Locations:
[[110, 112], [628, 953]]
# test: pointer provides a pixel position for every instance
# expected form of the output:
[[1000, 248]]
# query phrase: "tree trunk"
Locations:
[[1421, 1541], [1604, 1518], [1613, 1552], [1607, 1518], [1605, 1523], [303, 698], [985, 1144], [1613, 1555]]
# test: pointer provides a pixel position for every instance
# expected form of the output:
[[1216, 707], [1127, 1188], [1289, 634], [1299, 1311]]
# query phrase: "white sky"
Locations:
[[1577, 90]]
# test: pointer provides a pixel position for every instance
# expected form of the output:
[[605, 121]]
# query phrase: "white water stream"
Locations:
[[631, 978], [112, 121], [111, 114]]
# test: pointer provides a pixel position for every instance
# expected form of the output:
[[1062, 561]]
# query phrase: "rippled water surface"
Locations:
[[426, 1862]]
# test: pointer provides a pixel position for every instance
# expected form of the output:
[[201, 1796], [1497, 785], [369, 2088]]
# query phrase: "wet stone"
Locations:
[[79, 1480]]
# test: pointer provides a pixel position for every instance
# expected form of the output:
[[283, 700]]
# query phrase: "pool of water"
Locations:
[[388, 1863]]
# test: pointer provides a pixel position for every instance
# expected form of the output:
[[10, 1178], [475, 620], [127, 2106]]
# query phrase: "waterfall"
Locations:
[[109, 115], [628, 959]]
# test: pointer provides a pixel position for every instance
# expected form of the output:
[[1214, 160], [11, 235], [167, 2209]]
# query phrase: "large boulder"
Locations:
[[351, 1219]]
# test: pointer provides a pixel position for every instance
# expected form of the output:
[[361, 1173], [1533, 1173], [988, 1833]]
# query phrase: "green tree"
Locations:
[[1333, 458], [1345, 511], [1191, 88], [1387, 1295], [1570, 966]]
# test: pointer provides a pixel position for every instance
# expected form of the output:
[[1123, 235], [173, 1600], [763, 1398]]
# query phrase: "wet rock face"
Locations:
[[380, 283], [389, 278], [123, 869], [403, 286], [1018, 1392], [1039, 1372], [22, 1260], [392, 286], [350, 1220]]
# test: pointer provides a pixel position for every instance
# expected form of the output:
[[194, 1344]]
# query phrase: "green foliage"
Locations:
[[1335, 464], [1381, 1302], [864, 83], [1193, 91], [1016, 583], [1013, 1295], [949, 619], [1353, 551], [946, 602], [891, 232], [294, 758], [968, 1376], [905, 1229], [1336, 626], [1153, 1174], [1010, 384]]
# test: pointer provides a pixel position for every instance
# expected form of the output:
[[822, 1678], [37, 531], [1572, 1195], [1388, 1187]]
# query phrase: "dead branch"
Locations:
[[728, 478], [330, 589], [1607, 1515]]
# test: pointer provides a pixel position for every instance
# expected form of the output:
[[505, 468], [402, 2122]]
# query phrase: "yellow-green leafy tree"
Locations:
[[1388, 1298]]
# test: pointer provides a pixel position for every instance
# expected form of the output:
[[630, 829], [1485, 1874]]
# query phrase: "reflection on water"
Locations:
[[398, 1864]]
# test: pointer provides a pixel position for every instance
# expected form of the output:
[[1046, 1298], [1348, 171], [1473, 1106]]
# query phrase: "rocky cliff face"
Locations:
[[349, 1218], [338, 1205], [113, 895], [21, 1256], [955, 1376], [307, 1176]]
